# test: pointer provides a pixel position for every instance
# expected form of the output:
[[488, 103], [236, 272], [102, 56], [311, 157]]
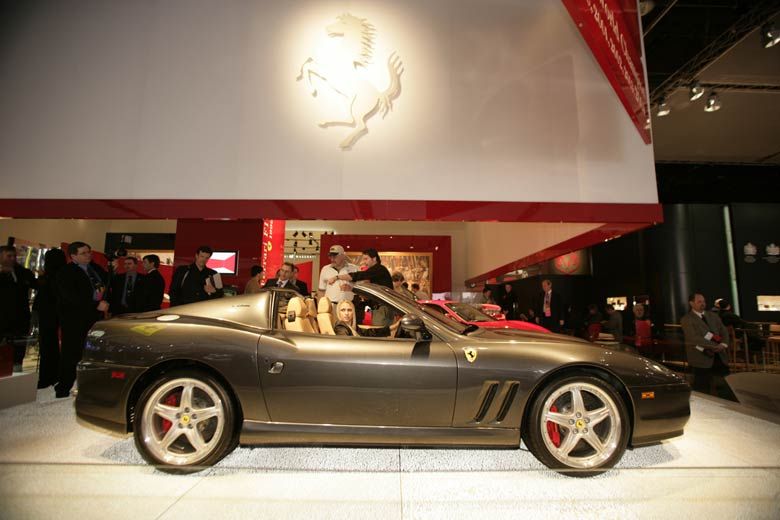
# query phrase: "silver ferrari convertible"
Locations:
[[194, 381]]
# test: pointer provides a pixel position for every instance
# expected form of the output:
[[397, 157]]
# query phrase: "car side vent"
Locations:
[[487, 400], [509, 397]]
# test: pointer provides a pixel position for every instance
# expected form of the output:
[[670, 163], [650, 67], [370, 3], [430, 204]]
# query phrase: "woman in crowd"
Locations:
[[345, 323], [48, 322]]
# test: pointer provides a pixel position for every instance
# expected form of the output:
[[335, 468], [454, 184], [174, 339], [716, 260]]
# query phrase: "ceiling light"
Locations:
[[697, 91], [663, 109], [295, 234], [770, 36], [713, 103]]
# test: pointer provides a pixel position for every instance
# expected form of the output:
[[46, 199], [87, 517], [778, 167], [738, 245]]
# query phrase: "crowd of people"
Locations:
[[73, 295]]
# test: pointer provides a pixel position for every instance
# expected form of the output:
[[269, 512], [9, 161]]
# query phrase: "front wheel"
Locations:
[[183, 420], [578, 425]]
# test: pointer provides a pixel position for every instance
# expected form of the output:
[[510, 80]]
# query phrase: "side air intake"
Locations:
[[489, 394], [509, 396]]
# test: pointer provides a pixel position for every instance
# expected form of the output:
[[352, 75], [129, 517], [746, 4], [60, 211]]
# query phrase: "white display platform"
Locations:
[[18, 388], [727, 465]]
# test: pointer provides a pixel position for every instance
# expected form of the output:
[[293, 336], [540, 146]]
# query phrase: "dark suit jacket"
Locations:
[[289, 285], [556, 307], [75, 295], [153, 291], [15, 301], [694, 329], [134, 299], [302, 288]]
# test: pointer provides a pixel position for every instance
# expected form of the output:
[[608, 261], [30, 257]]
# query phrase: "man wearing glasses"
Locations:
[[341, 291], [81, 287]]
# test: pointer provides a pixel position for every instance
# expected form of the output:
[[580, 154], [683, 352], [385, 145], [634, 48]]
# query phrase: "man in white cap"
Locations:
[[338, 265]]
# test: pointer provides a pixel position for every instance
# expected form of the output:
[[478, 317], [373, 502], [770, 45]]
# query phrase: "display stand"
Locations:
[[18, 388]]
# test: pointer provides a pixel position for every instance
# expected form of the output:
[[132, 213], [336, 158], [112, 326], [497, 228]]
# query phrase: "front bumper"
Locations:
[[661, 417], [103, 392]]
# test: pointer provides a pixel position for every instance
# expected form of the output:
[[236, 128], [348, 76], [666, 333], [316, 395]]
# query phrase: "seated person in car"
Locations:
[[345, 323]]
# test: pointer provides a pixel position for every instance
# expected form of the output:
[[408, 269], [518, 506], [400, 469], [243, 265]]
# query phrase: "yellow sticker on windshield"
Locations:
[[471, 354], [147, 330]]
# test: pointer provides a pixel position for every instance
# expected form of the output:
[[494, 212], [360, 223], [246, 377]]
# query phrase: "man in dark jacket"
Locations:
[[15, 285], [196, 282], [375, 273], [81, 289], [153, 285], [303, 288], [127, 289], [549, 311]]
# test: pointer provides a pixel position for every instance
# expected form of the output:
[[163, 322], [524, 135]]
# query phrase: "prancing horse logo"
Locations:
[[363, 98]]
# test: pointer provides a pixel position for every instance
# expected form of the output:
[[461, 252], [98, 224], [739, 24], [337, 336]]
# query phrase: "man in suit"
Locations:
[[16, 282], [706, 343], [195, 282], [153, 286], [549, 313], [303, 288], [126, 289], [80, 290], [284, 279]]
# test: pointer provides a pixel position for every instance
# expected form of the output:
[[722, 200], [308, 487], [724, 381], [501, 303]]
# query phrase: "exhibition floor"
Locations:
[[727, 465]]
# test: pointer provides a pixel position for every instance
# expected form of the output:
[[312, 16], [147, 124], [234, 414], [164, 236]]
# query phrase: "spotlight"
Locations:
[[697, 91], [663, 109], [770, 35], [713, 103], [295, 234], [311, 242], [295, 244], [311, 234]]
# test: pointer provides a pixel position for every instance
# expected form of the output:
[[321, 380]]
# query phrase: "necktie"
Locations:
[[128, 289], [97, 283]]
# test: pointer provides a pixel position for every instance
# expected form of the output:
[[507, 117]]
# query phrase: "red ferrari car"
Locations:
[[465, 313]]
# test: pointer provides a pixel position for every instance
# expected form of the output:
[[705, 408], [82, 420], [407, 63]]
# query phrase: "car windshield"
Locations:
[[401, 303], [468, 313]]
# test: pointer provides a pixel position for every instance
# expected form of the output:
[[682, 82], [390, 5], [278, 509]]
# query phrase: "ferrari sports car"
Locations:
[[191, 382], [468, 315]]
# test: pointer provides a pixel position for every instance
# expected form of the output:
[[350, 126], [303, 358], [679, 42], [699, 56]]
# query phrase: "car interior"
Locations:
[[310, 316]]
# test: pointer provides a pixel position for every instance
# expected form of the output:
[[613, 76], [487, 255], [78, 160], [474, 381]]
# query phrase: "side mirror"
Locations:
[[412, 323]]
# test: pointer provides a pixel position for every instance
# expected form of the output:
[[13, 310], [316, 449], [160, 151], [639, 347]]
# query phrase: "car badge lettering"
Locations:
[[346, 76], [471, 354]]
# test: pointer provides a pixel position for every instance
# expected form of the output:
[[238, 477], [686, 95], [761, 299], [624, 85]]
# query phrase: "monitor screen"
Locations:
[[224, 262]]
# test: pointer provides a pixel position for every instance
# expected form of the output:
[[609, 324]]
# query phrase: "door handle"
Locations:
[[276, 368]]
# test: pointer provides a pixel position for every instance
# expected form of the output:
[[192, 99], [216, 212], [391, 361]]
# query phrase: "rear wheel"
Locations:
[[184, 420], [579, 425]]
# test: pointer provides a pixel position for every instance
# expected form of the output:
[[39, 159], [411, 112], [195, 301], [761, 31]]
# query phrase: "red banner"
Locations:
[[272, 254], [611, 30]]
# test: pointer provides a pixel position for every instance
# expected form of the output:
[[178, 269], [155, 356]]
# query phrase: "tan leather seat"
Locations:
[[325, 316], [296, 315], [311, 308]]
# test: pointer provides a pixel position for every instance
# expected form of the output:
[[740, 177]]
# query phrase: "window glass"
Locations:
[[468, 313]]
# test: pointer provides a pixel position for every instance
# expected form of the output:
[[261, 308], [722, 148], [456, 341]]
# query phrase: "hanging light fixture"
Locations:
[[697, 91], [663, 108], [770, 35], [713, 103]]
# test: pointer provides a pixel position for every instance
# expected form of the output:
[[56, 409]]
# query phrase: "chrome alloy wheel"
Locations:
[[581, 425], [183, 421]]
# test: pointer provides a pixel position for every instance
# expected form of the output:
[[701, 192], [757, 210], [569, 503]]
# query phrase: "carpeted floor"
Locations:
[[727, 465]]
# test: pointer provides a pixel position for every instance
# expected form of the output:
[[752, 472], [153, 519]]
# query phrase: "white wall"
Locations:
[[501, 100]]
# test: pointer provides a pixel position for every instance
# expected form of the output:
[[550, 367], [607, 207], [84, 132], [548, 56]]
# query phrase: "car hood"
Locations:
[[488, 334]]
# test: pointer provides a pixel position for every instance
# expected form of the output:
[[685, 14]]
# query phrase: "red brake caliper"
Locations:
[[552, 430], [172, 400]]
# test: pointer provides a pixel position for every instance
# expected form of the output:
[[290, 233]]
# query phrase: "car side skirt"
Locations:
[[274, 433]]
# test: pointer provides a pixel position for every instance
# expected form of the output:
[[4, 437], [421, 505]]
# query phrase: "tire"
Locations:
[[578, 426], [184, 421]]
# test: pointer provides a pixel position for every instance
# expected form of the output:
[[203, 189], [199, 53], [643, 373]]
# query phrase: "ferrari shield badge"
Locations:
[[147, 330], [471, 354]]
